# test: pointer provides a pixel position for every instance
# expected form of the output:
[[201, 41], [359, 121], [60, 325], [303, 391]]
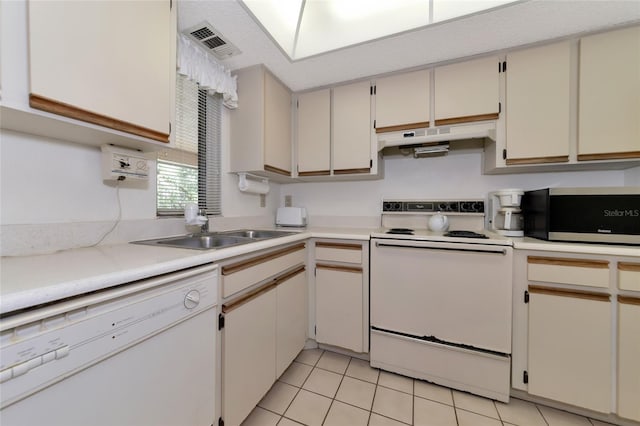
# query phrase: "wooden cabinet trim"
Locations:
[[467, 119], [70, 111], [576, 294], [538, 160], [228, 307], [609, 156], [239, 266], [629, 300], [628, 266], [288, 275], [351, 171], [354, 269], [400, 127], [342, 246], [578, 263], [315, 173], [272, 169]]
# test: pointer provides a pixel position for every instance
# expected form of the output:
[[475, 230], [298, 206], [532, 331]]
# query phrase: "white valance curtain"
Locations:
[[197, 65]]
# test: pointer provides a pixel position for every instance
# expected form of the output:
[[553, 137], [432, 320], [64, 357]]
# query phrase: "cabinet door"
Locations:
[[277, 126], [628, 356], [249, 354], [402, 101], [467, 91], [570, 347], [351, 128], [609, 95], [538, 104], [314, 133], [339, 307], [291, 322], [110, 63]]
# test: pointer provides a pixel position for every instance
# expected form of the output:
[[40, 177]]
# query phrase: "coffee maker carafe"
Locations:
[[505, 215]]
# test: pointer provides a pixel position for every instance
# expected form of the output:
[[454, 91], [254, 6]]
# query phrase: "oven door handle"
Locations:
[[476, 250]]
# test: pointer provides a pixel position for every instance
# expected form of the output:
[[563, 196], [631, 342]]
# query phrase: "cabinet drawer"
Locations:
[[339, 252], [629, 276], [585, 272], [243, 274]]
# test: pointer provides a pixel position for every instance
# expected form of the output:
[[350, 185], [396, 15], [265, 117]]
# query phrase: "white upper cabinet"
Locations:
[[106, 63], [538, 104], [467, 91], [402, 101], [609, 95], [352, 128], [314, 133], [261, 125]]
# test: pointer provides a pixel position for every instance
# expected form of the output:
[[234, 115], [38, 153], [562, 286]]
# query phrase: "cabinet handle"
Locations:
[[467, 119], [289, 275], [629, 300], [339, 246], [577, 263], [354, 269], [66, 110], [575, 294], [228, 307], [627, 266], [236, 267]]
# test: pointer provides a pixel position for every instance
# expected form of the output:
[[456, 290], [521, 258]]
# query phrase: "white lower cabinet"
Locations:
[[249, 355], [339, 306], [342, 294], [263, 325], [628, 357], [570, 347], [291, 319]]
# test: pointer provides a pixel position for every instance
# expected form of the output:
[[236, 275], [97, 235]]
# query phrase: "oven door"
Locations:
[[456, 293]]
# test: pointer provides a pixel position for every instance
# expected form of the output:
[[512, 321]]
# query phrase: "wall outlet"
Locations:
[[287, 200], [263, 200]]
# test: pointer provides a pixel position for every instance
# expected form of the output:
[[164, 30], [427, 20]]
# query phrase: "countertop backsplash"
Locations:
[[44, 238]]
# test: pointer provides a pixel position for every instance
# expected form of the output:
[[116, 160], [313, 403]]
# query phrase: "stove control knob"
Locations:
[[192, 299], [478, 207]]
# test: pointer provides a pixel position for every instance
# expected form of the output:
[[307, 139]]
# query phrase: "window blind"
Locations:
[[190, 172]]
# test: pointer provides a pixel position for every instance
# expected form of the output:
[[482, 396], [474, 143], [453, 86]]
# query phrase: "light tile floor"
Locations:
[[326, 388]]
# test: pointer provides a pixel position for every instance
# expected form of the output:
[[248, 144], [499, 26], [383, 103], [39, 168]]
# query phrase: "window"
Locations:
[[190, 172]]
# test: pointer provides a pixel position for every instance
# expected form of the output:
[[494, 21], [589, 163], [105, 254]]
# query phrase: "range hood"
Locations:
[[431, 135]]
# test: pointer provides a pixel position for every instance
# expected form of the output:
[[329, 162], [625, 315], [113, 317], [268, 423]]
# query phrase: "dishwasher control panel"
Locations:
[[38, 353]]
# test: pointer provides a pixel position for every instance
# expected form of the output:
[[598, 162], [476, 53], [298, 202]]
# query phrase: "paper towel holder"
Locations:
[[243, 178]]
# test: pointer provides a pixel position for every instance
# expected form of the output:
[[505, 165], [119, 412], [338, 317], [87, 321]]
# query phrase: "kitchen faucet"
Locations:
[[196, 217]]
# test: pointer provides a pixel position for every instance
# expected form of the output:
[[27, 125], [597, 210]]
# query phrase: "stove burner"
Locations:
[[465, 234], [403, 231]]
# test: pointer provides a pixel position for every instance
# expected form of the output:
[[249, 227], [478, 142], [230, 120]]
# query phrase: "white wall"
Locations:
[[51, 181], [456, 176]]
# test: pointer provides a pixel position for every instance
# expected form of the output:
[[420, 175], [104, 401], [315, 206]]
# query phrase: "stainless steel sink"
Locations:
[[256, 234], [202, 242], [215, 240]]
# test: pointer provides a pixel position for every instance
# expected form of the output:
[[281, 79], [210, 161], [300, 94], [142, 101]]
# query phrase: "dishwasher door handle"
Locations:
[[458, 249]]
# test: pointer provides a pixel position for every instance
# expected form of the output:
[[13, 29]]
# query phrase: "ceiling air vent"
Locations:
[[212, 41]]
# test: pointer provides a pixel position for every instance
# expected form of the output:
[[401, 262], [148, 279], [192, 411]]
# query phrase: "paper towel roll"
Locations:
[[252, 187]]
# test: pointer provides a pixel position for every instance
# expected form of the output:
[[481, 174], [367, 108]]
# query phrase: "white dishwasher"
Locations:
[[137, 354]]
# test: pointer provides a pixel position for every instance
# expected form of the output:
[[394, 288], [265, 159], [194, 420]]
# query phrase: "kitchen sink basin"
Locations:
[[202, 241], [256, 234], [213, 240]]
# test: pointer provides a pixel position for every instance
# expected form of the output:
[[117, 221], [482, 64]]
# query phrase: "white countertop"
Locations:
[[527, 243], [27, 281]]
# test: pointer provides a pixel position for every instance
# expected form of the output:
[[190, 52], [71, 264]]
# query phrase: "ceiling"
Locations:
[[520, 24]]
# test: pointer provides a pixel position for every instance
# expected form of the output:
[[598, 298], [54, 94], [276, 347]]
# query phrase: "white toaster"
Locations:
[[291, 216]]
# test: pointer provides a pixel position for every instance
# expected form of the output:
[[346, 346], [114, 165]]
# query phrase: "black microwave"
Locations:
[[595, 215]]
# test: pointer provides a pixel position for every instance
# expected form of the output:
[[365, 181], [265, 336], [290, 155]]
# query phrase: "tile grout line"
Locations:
[[541, 414]]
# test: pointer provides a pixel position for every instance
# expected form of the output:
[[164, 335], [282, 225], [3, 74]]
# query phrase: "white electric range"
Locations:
[[441, 304]]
